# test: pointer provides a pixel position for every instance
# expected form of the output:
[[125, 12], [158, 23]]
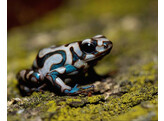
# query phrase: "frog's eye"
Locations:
[[88, 47]]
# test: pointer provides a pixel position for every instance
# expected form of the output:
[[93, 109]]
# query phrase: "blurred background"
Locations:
[[130, 24]]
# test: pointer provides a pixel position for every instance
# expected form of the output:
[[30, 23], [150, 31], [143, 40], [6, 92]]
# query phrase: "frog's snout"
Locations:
[[108, 45]]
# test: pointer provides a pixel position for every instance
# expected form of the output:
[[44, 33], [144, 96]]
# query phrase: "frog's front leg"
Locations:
[[53, 77]]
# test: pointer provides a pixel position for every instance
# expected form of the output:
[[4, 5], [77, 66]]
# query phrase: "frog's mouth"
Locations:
[[99, 56], [106, 52]]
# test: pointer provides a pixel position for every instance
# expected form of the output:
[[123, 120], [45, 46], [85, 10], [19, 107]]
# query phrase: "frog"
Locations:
[[56, 68]]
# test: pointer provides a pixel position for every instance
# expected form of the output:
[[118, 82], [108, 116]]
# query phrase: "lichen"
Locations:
[[147, 112]]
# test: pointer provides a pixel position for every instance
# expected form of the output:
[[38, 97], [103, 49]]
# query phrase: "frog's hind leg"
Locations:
[[54, 78], [24, 90], [29, 81]]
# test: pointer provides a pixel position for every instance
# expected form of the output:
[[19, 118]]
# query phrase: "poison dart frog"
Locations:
[[54, 67]]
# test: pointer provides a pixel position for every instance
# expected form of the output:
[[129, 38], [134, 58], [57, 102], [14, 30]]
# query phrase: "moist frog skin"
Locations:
[[55, 66]]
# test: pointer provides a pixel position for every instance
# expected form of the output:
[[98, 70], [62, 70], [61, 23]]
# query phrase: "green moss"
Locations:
[[62, 103], [95, 99], [141, 113], [106, 110], [75, 102], [69, 100], [52, 106]]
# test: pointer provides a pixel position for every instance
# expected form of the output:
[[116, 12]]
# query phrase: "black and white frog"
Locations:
[[55, 66]]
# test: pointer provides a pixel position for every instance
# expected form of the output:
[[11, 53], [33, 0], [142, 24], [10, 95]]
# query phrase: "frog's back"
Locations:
[[54, 57]]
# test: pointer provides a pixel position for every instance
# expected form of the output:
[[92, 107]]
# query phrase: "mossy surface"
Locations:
[[136, 97], [130, 92]]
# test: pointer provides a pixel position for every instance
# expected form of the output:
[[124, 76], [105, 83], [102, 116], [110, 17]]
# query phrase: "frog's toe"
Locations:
[[87, 87], [74, 90]]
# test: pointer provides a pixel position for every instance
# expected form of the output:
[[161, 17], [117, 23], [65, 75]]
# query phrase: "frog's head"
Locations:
[[95, 48]]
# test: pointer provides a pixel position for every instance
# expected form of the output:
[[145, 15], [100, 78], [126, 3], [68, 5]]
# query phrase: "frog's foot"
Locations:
[[80, 90], [73, 91], [88, 87], [39, 89], [24, 90]]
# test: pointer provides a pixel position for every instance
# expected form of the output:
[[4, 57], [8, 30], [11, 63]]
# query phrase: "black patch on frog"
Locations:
[[66, 45], [41, 61], [94, 42], [75, 57]]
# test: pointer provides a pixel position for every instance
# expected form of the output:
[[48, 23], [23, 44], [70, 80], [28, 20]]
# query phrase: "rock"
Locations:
[[130, 89]]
